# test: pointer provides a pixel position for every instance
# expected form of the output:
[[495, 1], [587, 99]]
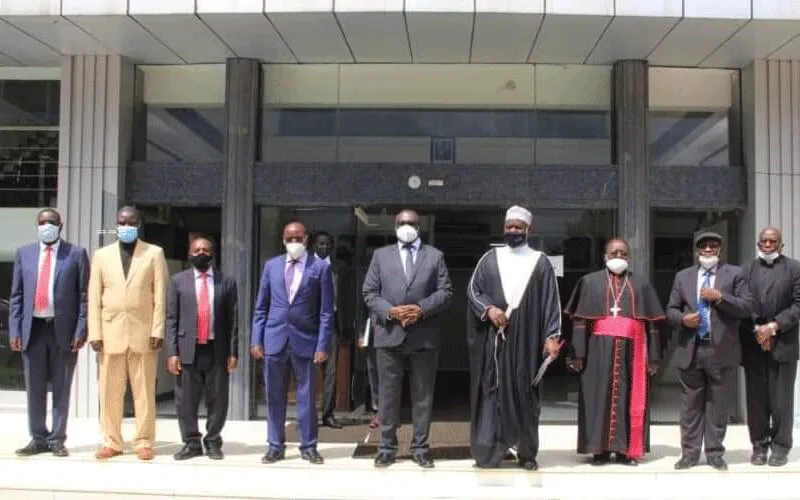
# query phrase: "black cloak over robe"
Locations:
[[504, 402], [604, 395]]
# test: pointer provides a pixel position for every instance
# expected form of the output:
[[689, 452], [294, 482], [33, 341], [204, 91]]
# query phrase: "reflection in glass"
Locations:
[[29, 102], [692, 138], [480, 136], [11, 375], [28, 167], [177, 134]]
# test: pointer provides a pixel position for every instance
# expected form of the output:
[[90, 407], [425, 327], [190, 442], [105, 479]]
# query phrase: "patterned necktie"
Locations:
[[43, 283], [704, 310], [288, 277], [409, 259], [203, 311]]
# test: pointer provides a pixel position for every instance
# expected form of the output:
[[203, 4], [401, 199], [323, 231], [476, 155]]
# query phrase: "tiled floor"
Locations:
[[563, 475]]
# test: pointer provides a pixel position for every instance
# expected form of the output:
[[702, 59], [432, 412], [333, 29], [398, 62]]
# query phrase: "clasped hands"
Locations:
[[155, 344], [765, 336], [407, 315]]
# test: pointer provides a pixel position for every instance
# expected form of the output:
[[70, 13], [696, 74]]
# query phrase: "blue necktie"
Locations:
[[703, 309]]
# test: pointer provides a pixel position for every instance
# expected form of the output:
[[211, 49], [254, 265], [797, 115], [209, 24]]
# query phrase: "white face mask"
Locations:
[[295, 250], [406, 234], [708, 261], [769, 258], [617, 266]]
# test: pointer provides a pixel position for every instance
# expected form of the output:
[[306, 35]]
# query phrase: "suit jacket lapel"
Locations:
[[693, 287], [136, 260], [417, 264], [63, 252], [309, 261], [191, 305], [217, 299]]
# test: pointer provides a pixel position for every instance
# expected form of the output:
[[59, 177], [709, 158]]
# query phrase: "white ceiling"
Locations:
[[705, 33]]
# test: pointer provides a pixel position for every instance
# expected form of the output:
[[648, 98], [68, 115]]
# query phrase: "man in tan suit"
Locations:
[[127, 310]]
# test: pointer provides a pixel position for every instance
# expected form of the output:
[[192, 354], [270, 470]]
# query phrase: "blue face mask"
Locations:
[[127, 234], [515, 239], [48, 233]]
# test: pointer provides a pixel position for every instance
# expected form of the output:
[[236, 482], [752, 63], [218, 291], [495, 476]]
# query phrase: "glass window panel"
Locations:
[[689, 138], [28, 167], [29, 102], [177, 133]]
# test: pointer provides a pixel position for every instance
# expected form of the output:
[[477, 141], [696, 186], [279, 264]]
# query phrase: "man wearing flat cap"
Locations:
[[706, 304]]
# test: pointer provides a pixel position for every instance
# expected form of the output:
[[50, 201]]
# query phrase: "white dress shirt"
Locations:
[[298, 274], [50, 310], [701, 271], [198, 283]]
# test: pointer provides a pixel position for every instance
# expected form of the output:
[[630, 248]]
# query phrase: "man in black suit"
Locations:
[[322, 242], [707, 303], [47, 322], [770, 348], [406, 289], [202, 343]]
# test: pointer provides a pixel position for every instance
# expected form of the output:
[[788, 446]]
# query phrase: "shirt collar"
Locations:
[[300, 260], [54, 246], [326, 259], [415, 244], [209, 272], [702, 270]]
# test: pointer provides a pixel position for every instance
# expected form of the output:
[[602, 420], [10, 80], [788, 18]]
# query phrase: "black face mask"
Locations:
[[515, 240], [200, 261]]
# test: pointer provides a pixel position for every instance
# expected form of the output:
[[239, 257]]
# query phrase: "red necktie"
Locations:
[[203, 312], [43, 283]]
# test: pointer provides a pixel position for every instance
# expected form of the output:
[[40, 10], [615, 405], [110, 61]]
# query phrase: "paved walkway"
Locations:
[[562, 475]]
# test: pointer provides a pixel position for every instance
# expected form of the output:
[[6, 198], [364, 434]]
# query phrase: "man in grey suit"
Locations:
[[47, 322], [707, 303], [202, 343], [406, 288]]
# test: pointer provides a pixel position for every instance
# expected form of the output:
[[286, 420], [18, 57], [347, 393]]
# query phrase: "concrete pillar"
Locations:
[[95, 130], [771, 146], [632, 155], [242, 110]]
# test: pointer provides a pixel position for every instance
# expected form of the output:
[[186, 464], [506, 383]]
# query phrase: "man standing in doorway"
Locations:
[[322, 243], [770, 348], [615, 346], [203, 345], [292, 328], [127, 309], [513, 321], [706, 304], [47, 322], [406, 288]]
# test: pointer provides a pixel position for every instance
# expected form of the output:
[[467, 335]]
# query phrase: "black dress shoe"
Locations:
[[272, 456], [777, 459], [59, 450], [312, 456], [626, 460], [384, 460], [331, 422], [423, 459], [528, 463], [188, 451], [717, 463], [601, 458], [759, 457], [685, 463], [33, 448], [214, 452]]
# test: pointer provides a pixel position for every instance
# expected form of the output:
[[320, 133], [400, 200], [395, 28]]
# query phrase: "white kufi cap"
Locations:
[[518, 213]]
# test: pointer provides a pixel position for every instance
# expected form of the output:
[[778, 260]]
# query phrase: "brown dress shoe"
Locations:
[[105, 453], [145, 454]]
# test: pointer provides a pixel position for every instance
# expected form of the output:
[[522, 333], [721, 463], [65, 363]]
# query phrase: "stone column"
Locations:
[[95, 131], [632, 155], [242, 110]]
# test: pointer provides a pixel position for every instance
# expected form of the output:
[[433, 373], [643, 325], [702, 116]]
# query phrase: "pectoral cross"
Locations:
[[615, 310]]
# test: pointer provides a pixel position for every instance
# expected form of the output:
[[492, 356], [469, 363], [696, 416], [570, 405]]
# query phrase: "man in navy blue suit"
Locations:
[[47, 322], [292, 324]]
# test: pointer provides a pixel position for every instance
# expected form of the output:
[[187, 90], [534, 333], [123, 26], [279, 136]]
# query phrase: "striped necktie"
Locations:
[[704, 309]]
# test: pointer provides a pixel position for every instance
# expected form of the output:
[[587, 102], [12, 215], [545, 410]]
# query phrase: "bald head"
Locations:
[[617, 248], [770, 240], [295, 232]]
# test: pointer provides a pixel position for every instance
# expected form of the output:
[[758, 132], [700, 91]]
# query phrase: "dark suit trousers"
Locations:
[[422, 377], [769, 387], [707, 392], [329, 378], [205, 378], [44, 361]]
